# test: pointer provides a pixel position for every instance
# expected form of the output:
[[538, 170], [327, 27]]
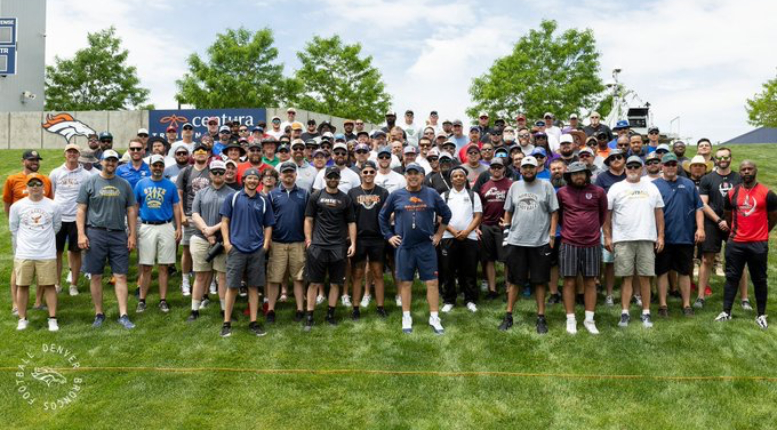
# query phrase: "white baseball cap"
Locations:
[[529, 161]]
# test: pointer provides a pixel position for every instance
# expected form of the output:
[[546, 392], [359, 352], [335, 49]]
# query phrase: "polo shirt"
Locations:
[[681, 201], [463, 210], [247, 220], [132, 175], [289, 210]]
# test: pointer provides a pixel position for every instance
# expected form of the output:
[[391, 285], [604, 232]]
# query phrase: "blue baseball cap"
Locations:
[[621, 124], [384, 150], [414, 167], [539, 151]]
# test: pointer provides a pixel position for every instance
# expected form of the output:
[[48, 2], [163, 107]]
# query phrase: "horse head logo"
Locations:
[[66, 126], [48, 376]]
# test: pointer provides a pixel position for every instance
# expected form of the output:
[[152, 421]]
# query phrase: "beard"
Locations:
[[633, 177], [558, 182]]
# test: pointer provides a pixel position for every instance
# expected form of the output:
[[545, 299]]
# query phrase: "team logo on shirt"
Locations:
[[748, 206], [368, 201], [527, 202], [109, 191], [589, 196], [417, 205], [328, 201], [724, 188], [66, 126], [495, 195]]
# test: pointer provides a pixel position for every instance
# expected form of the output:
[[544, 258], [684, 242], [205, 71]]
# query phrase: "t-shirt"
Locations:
[[473, 173], [367, 206], [15, 187], [391, 181], [306, 175], [248, 217], [633, 208], [34, 226], [681, 201], [462, 211], [190, 181], [581, 212], [348, 179], [716, 187], [493, 195], [532, 204], [156, 199], [750, 208], [207, 203], [132, 175], [242, 167], [172, 171], [331, 215], [289, 209], [107, 201], [415, 215], [606, 179], [65, 184]]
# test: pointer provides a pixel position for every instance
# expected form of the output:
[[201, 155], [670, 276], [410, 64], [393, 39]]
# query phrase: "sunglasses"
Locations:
[[497, 167], [594, 117], [488, 149], [297, 148], [523, 136], [617, 157], [368, 172], [34, 184], [431, 159], [200, 151], [362, 151], [669, 164], [424, 145], [584, 155], [538, 156], [254, 150], [135, 149], [244, 130], [340, 152], [181, 153], [653, 132], [724, 158], [283, 150], [217, 172], [654, 162], [384, 157], [633, 167], [359, 123]]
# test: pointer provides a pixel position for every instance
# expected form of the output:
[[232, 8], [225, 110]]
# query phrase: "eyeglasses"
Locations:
[[384, 157], [217, 172], [670, 164], [633, 167], [724, 158], [135, 148], [594, 117], [523, 136], [34, 184], [653, 132], [368, 172], [181, 153], [244, 130], [254, 150]]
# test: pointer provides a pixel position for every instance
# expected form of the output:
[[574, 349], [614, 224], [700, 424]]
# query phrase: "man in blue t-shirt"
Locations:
[[415, 209], [136, 169], [160, 229], [684, 221]]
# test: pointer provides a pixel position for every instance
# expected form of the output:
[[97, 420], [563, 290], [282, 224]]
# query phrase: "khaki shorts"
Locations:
[[199, 250], [635, 258], [156, 243], [26, 270], [283, 256]]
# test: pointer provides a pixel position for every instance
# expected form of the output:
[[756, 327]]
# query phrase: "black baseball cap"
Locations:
[[31, 154], [332, 170]]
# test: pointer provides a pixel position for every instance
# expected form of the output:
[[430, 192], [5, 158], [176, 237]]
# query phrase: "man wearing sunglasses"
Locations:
[[306, 172], [653, 166], [181, 156], [616, 172], [136, 169], [255, 161], [189, 182], [653, 135], [348, 178], [493, 194]]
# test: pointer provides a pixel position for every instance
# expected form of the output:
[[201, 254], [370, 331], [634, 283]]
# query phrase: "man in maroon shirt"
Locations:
[[582, 209], [751, 211], [492, 197]]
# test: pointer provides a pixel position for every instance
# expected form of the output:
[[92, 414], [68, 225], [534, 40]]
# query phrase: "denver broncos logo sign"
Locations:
[[66, 126]]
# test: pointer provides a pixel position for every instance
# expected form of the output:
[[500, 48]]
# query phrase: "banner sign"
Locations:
[[7, 46], [160, 120]]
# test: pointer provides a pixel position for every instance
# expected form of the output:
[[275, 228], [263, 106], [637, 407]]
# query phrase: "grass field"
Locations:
[[685, 373]]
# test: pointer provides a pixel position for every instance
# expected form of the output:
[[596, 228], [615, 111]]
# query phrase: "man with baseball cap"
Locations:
[[105, 203], [348, 178], [291, 118], [190, 180], [493, 194], [306, 172], [616, 172], [596, 127]]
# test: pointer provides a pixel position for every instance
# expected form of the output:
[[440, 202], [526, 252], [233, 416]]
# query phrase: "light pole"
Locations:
[[677, 118]]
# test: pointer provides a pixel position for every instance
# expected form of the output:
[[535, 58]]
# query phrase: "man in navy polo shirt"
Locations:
[[246, 225]]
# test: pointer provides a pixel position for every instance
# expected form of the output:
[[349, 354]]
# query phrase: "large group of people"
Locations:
[[326, 214]]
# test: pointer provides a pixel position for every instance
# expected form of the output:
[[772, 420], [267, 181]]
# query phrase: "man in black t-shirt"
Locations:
[[368, 199], [329, 222]]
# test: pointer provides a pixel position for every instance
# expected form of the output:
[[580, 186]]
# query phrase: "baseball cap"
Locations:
[[142, 131], [218, 165], [662, 147], [483, 114], [171, 128], [187, 126], [539, 151], [362, 147], [296, 125], [652, 156], [391, 113], [621, 124], [224, 129], [291, 110], [252, 171], [634, 159], [469, 148], [340, 145], [410, 149], [520, 116], [339, 137], [445, 155], [363, 132], [669, 157], [587, 150], [573, 116], [275, 117], [457, 122], [348, 121], [332, 171], [447, 121], [369, 163], [612, 153], [269, 140], [377, 133], [318, 152], [540, 123], [297, 142], [288, 166], [213, 119], [566, 138], [328, 134], [34, 175], [414, 167], [31, 154], [497, 161], [110, 154], [474, 128], [576, 167], [548, 114], [652, 129], [384, 150], [70, 146], [529, 161], [156, 158], [105, 135], [434, 112], [434, 152], [200, 145], [230, 161], [449, 143]]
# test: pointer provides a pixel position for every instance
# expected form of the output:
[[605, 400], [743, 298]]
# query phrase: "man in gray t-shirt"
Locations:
[[106, 201]]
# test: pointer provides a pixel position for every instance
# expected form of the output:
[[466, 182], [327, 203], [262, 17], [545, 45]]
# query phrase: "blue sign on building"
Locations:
[[160, 120], [7, 46]]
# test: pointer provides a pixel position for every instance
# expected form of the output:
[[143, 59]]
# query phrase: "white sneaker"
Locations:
[[723, 317], [761, 321], [214, 289], [609, 301], [365, 301], [484, 286], [15, 312], [88, 276], [591, 326], [472, 307], [186, 289], [719, 271], [320, 299], [69, 277], [436, 325], [73, 290], [407, 324], [398, 300], [53, 326], [571, 326], [346, 300], [446, 308], [58, 288], [22, 325], [638, 300]]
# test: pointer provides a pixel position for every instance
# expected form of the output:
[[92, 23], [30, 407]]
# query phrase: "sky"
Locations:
[[696, 60]]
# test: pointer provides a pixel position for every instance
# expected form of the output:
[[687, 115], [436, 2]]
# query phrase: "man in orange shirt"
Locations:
[[14, 190], [254, 161]]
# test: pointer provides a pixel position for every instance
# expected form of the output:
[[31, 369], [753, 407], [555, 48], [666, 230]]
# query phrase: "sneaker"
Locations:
[[542, 325], [125, 322], [492, 295], [214, 288], [637, 300], [436, 325], [15, 312], [609, 301], [688, 311], [22, 325], [299, 316], [365, 301], [73, 290], [205, 302], [53, 326], [624, 322], [284, 298], [320, 299], [40, 308], [398, 300], [356, 314], [269, 318], [58, 288], [707, 291], [484, 286], [746, 305], [719, 270], [646, 322], [141, 307], [761, 321], [226, 330], [330, 319], [446, 308], [193, 316], [554, 299], [381, 311], [663, 312], [472, 307], [98, 320], [723, 316], [69, 279], [676, 294], [256, 329], [507, 322], [407, 324], [591, 326], [571, 326], [346, 300], [308, 324], [243, 292], [163, 306], [186, 289], [699, 303]]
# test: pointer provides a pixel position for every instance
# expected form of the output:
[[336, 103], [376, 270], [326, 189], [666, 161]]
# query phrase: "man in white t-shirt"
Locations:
[[412, 130], [634, 231], [275, 130], [348, 178], [459, 244], [386, 177], [34, 222]]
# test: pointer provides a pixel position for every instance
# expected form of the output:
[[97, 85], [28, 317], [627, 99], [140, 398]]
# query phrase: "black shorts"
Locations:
[[579, 260], [714, 238], [675, 257], [323, 260], [554, 252], [530, 264], [491, 248], [372, 249], [248, 267], [68, 233]]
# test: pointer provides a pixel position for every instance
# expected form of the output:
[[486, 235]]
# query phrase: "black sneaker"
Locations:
[[492, 295], [270, 317], [381, 311], [308, 324], [256, 329], [688, 311], [507, 322], [226, 330], [330, 318], [663, 312], [554, 299], [542, 325], [299, 316], [356, 314], [193, 316]]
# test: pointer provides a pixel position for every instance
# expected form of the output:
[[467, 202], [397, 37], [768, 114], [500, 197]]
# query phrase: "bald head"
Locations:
[[748, 171]]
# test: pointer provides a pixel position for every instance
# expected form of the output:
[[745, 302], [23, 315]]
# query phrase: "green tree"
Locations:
[[337, 81], [762, 108], [96, 78], [544, 72], [240, 72]]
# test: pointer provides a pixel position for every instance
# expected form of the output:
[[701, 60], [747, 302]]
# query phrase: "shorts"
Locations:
[[323, 260], [199, 247], [156, 243], [635, 256], [26, 271], [675, 257], [373, 250], [188, 232], [248, 267], [491, 240], [579, 260], [422, 258], [106, 245], [284, 256], [68, 233], [607, 256], [554, 252], [528, 264], [714, 238]]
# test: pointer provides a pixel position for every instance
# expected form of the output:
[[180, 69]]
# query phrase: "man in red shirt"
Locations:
[[254, 161], [751, 211], [492, 196]]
